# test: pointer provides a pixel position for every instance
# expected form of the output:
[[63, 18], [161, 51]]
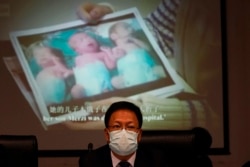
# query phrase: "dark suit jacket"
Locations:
[[101, 157]]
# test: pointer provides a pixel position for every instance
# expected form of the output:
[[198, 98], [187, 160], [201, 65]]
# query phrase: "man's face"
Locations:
[[123, 119]]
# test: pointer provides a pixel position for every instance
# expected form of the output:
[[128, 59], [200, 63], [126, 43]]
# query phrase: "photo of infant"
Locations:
[[78, 63]]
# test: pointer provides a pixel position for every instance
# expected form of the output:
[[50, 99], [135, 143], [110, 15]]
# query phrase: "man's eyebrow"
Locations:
[[129, 122]]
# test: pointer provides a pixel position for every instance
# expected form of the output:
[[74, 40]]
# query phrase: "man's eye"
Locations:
[[116, 126], [130, 127]]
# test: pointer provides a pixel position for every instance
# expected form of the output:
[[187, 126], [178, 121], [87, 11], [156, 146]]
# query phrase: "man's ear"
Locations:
[[139, 136], [106, 135]]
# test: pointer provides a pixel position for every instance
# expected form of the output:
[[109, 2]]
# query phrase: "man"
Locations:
[[123, 121]]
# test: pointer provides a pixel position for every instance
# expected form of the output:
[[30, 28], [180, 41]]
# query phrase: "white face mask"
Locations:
[[123, 142]]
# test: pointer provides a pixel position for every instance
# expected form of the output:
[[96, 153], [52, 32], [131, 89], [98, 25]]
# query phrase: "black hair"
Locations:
[[123, 105]]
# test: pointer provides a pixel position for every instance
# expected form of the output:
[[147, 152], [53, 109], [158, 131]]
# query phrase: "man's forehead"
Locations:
[[123, 115]]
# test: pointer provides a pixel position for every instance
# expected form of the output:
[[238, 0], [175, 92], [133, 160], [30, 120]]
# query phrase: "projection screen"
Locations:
[[60, 93]]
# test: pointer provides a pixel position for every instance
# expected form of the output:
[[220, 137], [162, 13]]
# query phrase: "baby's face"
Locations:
[[83, 43], [44, 57], [123, 30]]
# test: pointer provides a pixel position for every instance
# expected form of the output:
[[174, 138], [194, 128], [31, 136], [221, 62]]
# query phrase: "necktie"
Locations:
[[124, 164]]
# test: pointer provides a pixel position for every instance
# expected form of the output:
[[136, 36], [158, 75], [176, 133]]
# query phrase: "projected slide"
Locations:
[[60, 73], [76, 70]]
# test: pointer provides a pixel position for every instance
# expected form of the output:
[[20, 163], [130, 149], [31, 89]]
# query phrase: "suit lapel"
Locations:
[[142, 159], [106, 159]]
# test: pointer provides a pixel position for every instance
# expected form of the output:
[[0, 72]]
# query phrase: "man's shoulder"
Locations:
[[97, 157], [150, 157], [102, 149]]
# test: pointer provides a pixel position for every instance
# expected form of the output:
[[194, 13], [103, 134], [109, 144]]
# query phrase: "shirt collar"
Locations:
[[115, 160]]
